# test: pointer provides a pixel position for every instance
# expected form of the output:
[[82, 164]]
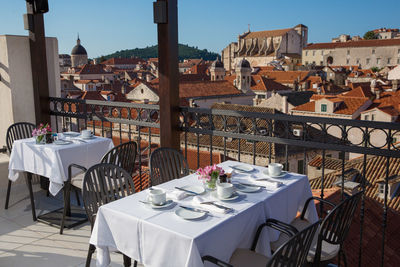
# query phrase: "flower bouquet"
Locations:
[[209, 175], [42, 134]]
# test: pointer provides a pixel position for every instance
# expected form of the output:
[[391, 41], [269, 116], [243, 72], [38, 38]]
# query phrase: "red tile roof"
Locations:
[[262, 34], [122, 61], [93, 69], [285, 76], [361, 43]]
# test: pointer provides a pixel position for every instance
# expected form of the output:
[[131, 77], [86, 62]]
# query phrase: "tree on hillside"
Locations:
[[370, 35]]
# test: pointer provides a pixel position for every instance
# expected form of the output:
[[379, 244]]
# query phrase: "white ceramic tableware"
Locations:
[[246, 188], [275, 169], [157, 196], [234, 196], [86, 133], [195, 188], [225, 190], [188, 214]]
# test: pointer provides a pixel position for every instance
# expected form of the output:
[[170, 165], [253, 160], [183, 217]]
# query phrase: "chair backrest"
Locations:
[[167, 164], [123, 155], [294, 252], [16, 131], [336, 225], [104, 183]]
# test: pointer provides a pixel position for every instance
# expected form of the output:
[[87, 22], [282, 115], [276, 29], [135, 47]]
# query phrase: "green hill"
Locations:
[[185, 52]]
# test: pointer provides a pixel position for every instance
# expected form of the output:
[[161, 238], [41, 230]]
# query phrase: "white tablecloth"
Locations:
[[52, 161], [160, 238]]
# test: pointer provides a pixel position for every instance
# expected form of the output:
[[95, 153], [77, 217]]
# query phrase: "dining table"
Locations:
[[52, 161], [163, 237]]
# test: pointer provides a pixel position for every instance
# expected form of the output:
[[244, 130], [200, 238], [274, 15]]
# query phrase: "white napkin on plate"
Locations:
[[176, 194], [197, 200]]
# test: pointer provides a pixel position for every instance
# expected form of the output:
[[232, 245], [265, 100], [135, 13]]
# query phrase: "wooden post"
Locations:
[[40, 80], [169, 76]]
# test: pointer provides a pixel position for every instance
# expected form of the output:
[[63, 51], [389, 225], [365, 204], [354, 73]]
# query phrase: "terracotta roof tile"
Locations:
[[263, 34], [122, 61]]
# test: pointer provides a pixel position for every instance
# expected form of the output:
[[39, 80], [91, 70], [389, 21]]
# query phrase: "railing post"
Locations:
[[166, 17], [40, 80]]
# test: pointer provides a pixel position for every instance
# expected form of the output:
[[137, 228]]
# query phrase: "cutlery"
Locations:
[[253, 185], [193, 209], [145, 202], [187, 191], [216, 205]]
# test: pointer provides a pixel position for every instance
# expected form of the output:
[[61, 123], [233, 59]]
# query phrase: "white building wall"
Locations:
[[16, 89]]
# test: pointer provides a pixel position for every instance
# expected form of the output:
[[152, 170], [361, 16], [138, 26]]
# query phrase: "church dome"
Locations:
[[217, 64], [243, 63], [78, 49]]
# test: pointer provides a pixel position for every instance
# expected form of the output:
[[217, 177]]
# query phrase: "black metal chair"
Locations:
[[292, 253], [123, 155], [102, 184], [16, 131], [333, 232], [167, 164]]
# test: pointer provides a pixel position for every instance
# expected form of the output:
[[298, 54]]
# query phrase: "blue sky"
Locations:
[[107, 26]]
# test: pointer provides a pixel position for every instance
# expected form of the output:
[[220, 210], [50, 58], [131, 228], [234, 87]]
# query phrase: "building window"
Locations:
[[372, 117], [313, 53], [388, 61], [321, 63], [347, 61], [307, 62], [373, 51], [358, 61], [367, 61], [398, 61], [306, 53], [348, 52], [142, 91], [300, 166], [322, 52], [378, 61], [323, 107], [366, 117], [398, 51]]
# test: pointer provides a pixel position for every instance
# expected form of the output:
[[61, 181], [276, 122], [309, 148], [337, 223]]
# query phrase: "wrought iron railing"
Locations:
[[253, 137]]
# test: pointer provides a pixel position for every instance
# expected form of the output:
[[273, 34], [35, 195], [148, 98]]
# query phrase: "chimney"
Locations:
[[395, 85], [378, 94], [148, 77]]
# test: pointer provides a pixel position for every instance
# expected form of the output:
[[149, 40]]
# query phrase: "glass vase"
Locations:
[[210, 185], [40, 139]]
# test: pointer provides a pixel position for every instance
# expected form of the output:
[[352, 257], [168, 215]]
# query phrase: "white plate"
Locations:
[[88, 137], [71, 134], [234, 196], [194, 188], [62, 142], [188, 214], [266, 172], [166, 205], [246, 188], [243, 168]]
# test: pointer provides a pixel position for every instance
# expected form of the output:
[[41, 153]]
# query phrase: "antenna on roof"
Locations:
[[248, 27]]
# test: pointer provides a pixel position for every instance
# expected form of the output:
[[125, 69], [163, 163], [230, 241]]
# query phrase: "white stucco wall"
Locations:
[[16, 89]]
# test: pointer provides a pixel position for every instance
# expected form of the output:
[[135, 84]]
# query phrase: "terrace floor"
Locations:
[[24, 242]]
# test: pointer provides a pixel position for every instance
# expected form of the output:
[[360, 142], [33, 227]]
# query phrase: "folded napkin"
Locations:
[[176, 194], [270, 184], [197, 200]]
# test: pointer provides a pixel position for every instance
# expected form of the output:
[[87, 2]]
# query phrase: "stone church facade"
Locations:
[[263, 47]]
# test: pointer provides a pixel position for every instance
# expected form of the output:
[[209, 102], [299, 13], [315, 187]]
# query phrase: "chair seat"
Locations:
[[245, 257], [77, 180], [328, 251]]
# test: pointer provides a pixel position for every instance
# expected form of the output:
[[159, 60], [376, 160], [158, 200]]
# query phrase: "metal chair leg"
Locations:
[[344, 258], [67, 190], [127, 261], [29, 184], [77, 197], [135, 264], [91, 249], [8, 193]]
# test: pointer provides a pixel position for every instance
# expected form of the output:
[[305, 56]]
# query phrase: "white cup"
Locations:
[[275, 169], [224, 190], [86, 133], [157, 196]]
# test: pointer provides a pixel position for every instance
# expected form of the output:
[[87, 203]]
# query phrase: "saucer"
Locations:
[[167, 203], [234, 196], [70, 134], [87, 137], [266, 172]]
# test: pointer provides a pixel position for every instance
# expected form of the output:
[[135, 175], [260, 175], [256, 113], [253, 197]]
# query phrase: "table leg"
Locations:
[[29, 184]]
